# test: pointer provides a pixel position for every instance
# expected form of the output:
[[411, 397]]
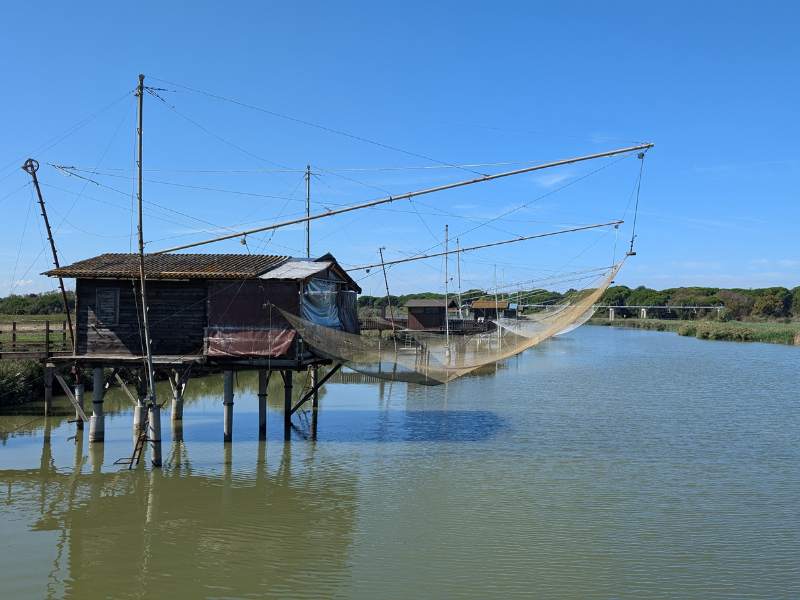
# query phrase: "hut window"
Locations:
[[106, 308]]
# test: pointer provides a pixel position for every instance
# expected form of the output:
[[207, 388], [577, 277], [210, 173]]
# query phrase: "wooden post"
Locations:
[[97, 426], [49, 368], [263, 384], [287, 404], [227, 405], [314, 379], [47, 338], [79, 390], [14, 336], [154, 433], [63, 335]]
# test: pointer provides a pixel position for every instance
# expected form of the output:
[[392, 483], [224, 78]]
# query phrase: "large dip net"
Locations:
[[434, 358]]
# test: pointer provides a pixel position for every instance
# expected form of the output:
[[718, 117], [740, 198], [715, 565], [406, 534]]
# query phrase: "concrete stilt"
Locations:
[[97, 422], [263, 382], [97, 455], [79, 390], [177, 431], [49, 370], [154, 433], [227, 405], [610, 314], [287, 405], [140, 409], [178, 386]]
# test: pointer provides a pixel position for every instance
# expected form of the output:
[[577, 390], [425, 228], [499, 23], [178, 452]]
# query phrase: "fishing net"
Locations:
[[433, 358]]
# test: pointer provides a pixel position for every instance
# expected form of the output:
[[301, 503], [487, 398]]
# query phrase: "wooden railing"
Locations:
[[34, 339]]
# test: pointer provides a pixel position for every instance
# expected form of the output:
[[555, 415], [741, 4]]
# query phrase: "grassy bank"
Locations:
[[736, 331], [20, 381]]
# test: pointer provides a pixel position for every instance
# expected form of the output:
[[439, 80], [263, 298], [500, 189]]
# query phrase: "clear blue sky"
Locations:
[[713, 84]]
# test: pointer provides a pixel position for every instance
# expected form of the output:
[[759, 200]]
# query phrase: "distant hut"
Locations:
[[207, 307], [491, 309], [428, 314]]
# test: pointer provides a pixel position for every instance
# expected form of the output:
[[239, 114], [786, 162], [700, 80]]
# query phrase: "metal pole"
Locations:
[[446, 289], [227, 402], [263, 385], [458, 268], [155, 409], [30, 167], [287, 405], [409, 195], [308, 211], [388, 298], [489, 245]]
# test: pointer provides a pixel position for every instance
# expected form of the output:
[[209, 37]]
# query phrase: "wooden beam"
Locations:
[[71, 396], [314, 389], [125, 389]]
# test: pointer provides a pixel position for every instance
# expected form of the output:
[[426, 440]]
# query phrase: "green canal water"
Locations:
[[603, 464]]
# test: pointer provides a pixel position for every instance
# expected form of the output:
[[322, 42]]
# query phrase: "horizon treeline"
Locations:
[[739, 303]]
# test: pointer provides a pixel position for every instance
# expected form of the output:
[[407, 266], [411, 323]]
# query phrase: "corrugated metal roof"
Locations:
[[173, 266], [297, 269]]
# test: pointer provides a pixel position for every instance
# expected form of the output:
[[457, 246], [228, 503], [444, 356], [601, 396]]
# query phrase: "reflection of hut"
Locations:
[[183, 533], [491, 309], [219, 306], [428, 314]]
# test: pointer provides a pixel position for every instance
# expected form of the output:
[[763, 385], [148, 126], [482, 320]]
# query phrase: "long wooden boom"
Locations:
[[408, 195], [489, 245]]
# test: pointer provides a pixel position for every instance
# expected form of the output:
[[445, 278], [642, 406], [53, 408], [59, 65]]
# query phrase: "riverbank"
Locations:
[[734, 331]]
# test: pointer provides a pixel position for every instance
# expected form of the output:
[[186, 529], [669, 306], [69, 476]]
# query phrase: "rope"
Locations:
[[636, 206]]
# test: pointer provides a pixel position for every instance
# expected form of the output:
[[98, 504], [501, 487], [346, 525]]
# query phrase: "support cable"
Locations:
[[640, 156], [316, 125]]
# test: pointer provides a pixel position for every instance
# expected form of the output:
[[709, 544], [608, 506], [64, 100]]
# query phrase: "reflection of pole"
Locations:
[[30, 167]]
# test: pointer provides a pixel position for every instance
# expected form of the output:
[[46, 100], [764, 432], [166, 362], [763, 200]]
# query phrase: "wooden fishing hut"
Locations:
[[493, 309], [207, 312], [428, 314]]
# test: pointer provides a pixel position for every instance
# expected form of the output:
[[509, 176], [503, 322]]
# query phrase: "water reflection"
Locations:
[[179, 532]]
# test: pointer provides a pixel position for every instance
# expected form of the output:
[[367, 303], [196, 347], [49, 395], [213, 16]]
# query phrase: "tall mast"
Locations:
[[408, 195], [446, 286], [142, 279], [308, 211], [30, 167]]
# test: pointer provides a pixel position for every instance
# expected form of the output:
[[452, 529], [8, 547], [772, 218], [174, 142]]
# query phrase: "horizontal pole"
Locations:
[[408, 195], [489, 245]]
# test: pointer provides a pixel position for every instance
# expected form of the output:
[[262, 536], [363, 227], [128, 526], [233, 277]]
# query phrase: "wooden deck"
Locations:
[[169, 361]]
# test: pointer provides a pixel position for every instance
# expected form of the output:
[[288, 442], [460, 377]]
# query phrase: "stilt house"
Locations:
[[207, 307]]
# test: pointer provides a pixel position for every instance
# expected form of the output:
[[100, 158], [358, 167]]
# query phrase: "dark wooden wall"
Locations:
[[252, 303], [177, 318], [425, 318]]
